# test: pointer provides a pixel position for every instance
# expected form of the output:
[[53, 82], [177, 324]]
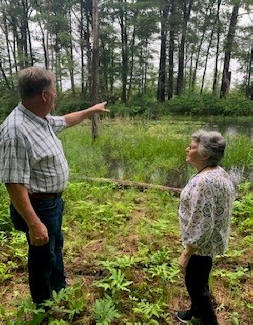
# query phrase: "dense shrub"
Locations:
[[189, 103], [67, 103], [210, 104]]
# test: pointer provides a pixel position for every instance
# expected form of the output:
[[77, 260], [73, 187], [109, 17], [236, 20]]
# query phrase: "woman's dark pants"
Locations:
[[45, 263], [196, 279]]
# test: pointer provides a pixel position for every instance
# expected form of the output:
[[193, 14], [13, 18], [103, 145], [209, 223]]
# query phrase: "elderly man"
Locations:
[[35, 172]]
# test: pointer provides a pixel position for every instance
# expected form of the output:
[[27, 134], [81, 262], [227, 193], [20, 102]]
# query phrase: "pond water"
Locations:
[[232, 128]]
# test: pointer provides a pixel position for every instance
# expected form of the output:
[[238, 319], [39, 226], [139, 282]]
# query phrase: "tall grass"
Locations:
[[141, 150]]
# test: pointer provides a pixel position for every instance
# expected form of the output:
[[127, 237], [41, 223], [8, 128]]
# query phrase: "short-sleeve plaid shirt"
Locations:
[[30, 152]]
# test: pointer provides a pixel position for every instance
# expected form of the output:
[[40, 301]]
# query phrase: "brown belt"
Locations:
[[45, 196]]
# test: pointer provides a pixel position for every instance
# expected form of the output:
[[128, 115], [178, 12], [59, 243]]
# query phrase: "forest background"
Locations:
[[177, 53]]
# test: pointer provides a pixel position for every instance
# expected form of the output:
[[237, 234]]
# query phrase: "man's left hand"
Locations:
[[100, 108]]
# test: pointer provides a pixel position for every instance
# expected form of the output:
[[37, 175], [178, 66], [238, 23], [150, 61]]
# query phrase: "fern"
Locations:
[[104, 311]]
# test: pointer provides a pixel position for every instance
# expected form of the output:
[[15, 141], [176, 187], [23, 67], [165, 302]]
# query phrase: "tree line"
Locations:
[[193, 35]]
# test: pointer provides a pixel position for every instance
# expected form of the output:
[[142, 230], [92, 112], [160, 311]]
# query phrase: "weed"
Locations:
[[114, 282], [104, 311], [232, 278], [148, 310]]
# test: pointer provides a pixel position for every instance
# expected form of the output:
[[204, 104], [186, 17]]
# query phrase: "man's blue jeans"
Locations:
[[45, 263]]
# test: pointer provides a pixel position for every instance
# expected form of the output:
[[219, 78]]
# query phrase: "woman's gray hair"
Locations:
[[212, 144], [33, 80]]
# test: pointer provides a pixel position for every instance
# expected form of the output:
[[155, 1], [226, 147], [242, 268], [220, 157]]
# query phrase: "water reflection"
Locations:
[[231, 129]]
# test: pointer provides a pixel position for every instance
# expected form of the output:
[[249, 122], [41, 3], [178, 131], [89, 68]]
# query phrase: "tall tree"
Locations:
[[226, 75], [95, 64], [187, 6], [203, 28], [218, 24], [172, 27], [162, 66], [123, 21]]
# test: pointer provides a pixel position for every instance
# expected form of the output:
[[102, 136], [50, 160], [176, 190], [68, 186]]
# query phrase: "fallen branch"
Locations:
[[126, 184]]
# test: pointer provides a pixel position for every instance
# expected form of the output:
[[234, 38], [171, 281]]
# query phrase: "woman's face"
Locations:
[[193, 157]]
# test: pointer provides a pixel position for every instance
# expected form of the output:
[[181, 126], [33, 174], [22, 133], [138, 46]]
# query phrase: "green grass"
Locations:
[[141, 150]]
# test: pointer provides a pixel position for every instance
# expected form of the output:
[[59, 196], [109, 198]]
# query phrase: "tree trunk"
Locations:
[[95, 66], [215, 77], [23, 29], [228, 49], [207, 12], [191, 63], [88, 46], [104, 74], [6, 33], [124, 50], [171, 50], [14, 51], [249, 86], [145, 66], [82, 45], [45, 52], [180, 77], [207, 55], [162, 66], [132, 61], [29, 33], [70, 57], [4, 75], [111, 74]]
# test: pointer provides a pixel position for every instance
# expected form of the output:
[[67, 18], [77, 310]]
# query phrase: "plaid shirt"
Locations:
[[30, 152]]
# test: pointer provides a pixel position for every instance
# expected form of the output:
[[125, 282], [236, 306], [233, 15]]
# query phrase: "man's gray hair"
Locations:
[[211, 143], [33, 80]]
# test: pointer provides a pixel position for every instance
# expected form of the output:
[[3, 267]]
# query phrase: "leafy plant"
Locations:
[[148, 310], [115, 282], [232, 278], [104, 311]]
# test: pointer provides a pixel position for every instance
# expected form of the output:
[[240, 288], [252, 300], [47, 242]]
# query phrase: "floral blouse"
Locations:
[[205, 211]]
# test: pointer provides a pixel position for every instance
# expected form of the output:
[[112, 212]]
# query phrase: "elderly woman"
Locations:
[[204, 214]]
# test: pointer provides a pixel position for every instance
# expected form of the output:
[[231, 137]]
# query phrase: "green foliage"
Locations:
[[5, 221], [234, 319], [8, 101], [28, 313], [67, 103], [104, 311], [5, 270], [239, 152], [149, 310], [122, 262], [67, 302], [243, 209], [60, 309], [232, 278], [210, 104], [114, 282]]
